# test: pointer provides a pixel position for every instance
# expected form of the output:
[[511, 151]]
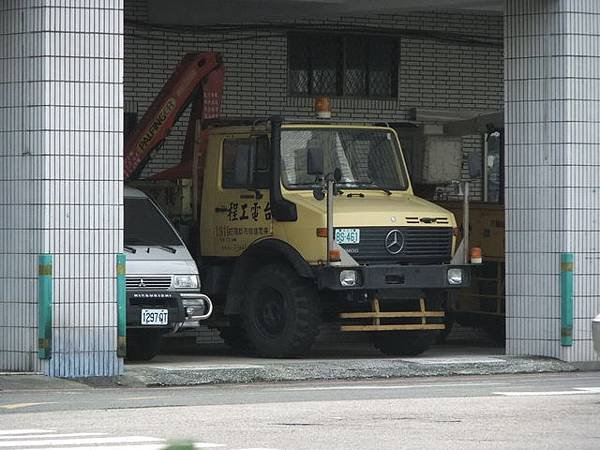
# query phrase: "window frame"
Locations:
[[341, 65]]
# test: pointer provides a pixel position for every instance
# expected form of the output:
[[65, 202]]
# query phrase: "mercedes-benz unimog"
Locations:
[[304, 221]]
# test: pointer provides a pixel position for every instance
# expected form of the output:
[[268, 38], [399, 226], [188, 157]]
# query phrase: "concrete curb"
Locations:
[[334, 370], [295, 370]]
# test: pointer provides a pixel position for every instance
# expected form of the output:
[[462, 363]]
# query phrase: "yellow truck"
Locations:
[[302, 221]]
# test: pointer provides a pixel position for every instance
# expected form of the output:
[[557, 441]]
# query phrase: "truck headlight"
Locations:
[[186, 282], [455, 276], [348, 278]]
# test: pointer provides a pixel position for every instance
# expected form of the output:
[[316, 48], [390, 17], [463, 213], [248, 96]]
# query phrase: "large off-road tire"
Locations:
[[403, 343], [280, 315], [411, 343], [142, 344], [495, 328], [235, 337]]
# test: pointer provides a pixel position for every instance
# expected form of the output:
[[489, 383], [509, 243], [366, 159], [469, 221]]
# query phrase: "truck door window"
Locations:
[[262, 173], [237, 151]]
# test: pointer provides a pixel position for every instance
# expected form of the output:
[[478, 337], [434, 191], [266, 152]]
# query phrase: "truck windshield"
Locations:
[[145, 225], [367, 158]]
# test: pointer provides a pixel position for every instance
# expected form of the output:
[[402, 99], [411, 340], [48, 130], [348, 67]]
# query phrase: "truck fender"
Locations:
[[271, 250]]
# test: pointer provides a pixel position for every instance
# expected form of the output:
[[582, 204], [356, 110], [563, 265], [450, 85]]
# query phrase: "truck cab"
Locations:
[[306, 221]]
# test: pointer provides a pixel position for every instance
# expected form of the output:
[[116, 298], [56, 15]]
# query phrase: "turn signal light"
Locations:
[[455, 231], [322, 232], [323, 107], [335, 255], [476, 257]]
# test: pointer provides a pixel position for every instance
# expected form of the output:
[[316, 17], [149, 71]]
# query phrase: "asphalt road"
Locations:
[[517, 411]]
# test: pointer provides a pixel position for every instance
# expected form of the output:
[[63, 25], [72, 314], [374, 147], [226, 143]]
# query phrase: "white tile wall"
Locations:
[[61, 121], [552, 199]]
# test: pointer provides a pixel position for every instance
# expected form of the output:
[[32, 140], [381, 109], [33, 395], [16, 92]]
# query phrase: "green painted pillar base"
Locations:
[[566, 299], [45, 306], [121, 306]]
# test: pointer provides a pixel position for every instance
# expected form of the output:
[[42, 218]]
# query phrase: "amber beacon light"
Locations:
[[476, 257], [323, 107]]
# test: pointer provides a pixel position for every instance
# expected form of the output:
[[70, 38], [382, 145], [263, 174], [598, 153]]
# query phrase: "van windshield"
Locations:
[[145, 225], [367, 158]]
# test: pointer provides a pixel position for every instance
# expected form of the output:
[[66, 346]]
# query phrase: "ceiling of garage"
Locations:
[[188, 12]]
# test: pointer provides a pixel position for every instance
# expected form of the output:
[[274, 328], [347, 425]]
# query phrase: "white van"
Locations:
[[163, 285]]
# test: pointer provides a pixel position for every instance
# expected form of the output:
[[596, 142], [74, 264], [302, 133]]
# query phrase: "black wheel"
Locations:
[[142, 344], [403, 343], [280, 314], [443, 334], [235, 337], [449, 306], [410, 343], [495, 328]]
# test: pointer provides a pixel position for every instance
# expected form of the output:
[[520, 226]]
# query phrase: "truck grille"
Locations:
[[148, 282], [420, 245]]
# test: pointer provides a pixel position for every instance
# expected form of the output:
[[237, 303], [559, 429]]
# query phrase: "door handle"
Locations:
[[221, 209]]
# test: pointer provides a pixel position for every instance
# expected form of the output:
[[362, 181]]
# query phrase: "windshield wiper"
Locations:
[[371, 183], [146, 243], [164, 247], [129, 249], [387, 191]]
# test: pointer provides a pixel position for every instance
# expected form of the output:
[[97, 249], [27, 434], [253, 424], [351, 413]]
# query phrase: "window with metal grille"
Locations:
[[345, 66]]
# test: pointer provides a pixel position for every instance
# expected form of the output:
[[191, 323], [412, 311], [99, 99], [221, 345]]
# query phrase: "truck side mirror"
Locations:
[[315, 163], [244, 167], [474, 163]]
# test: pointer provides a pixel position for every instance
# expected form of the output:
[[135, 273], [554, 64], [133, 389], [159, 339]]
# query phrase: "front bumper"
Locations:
[[148, 299], [184, 308], [377, 277]]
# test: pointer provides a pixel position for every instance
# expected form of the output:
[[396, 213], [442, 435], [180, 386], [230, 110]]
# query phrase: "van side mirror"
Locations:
[[244, 167], [315, 161]]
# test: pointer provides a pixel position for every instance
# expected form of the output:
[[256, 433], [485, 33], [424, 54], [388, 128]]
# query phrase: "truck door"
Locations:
[[242, 212]]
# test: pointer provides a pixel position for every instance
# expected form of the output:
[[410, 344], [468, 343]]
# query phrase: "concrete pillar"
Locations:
[[61, 81], [552, 89]]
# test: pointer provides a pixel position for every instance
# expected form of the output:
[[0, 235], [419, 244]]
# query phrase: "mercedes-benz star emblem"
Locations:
[[394, 242]]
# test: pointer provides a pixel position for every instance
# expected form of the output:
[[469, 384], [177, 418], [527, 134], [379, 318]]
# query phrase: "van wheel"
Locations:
[[142, 344], [411, 343], [280, 315]]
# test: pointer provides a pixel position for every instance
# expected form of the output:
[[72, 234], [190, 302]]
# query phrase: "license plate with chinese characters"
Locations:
[[347, 236], [155, 316]]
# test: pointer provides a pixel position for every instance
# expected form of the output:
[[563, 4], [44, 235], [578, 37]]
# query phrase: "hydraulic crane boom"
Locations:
[[199, 79]]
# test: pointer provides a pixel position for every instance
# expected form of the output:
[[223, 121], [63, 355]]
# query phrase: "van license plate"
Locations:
[[155, 316], [347, 236]]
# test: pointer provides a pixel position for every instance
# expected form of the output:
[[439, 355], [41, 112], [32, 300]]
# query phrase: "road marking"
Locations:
[[54, 435], [369, 387], [160, 446], [36, 439], [20, 432], [23, 405], [83, 441], [574, 391]]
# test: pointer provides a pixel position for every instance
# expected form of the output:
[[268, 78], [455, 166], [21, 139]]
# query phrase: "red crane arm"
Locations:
[[199, 77]]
